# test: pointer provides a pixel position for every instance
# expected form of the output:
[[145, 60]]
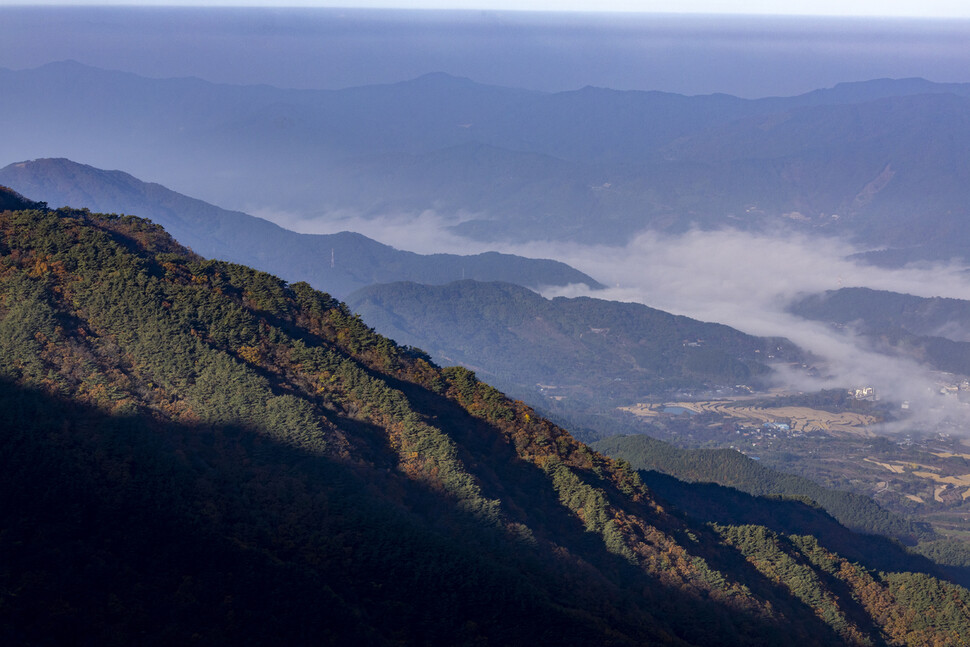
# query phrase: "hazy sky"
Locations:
[[927, 8], [748, 56]]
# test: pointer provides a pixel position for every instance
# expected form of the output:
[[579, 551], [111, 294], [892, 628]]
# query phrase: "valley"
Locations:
[[796, 420], [437, 358], [921, 474]]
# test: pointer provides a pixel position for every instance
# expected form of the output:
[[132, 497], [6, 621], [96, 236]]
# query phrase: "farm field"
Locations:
[[799, 419], [925, 476]]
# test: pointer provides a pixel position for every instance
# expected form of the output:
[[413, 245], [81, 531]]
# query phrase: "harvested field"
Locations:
[[801, 419], [895, 469], [951, 455], [962, 480], [643, 410]]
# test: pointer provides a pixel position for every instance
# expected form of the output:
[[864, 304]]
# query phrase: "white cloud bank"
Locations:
[[743, 279], [747, 280]]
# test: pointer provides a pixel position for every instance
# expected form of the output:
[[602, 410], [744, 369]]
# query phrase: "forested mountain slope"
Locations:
[[732, 469], [583, 352], [884, 309], [338, 263], [197, 452]]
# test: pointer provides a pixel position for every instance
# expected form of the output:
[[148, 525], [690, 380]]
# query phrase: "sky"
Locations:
[[337, 48], [888, 8]]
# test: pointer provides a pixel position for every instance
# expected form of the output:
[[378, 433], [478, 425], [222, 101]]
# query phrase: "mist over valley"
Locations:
[[398, 267]]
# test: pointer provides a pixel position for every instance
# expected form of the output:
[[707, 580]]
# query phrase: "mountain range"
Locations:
[[197, 451], [578, 359], [338, 263], [858, 161]]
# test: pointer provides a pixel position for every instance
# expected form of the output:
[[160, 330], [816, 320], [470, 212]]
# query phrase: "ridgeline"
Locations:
[[195, 452]]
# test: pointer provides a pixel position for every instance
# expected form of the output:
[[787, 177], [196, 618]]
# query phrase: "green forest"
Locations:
[[196, 452], [732, 469]]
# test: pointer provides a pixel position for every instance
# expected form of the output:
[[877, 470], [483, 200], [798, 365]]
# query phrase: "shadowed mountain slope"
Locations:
[[13, 201], [729, 468], [195, 451]]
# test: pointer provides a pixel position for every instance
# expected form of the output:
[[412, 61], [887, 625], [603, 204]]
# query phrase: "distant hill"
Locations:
[[193, 451], [586, 351], [879, 161], [13, 201], [338, 263], [884, 171], [934, 331], [729, 468]]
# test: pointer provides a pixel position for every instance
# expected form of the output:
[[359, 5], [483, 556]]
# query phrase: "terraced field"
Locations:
[[799, 419]]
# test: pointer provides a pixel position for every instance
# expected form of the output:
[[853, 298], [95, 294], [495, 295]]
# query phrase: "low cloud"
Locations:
[[423, 232], [748, 280], [743, 279]]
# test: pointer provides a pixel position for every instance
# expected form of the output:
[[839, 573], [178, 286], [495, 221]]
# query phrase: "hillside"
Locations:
[[198, 452], [732, 469], [934, 331], [10, 200], [572, 353], [338, 263]]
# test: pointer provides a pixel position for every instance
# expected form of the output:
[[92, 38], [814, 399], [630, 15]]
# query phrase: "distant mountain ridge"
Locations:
[[879, 162], [934, 331], [339, 263]]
